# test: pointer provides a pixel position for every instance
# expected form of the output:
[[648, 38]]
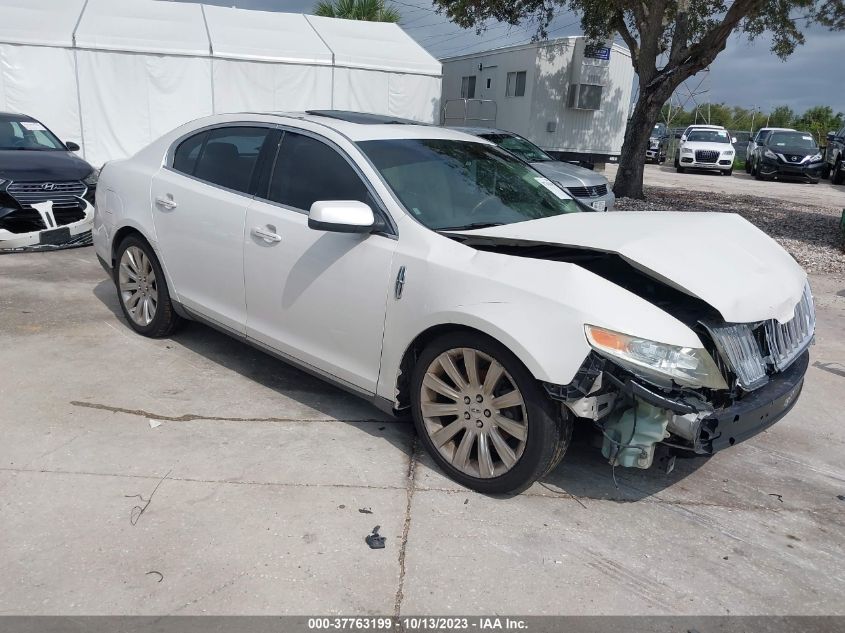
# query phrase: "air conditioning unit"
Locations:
[[589, 75]]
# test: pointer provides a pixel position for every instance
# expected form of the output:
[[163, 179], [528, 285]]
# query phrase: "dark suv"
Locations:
[[834, 157]]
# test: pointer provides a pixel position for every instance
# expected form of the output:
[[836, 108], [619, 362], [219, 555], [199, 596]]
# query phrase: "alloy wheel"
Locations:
[[474, 413], [138, 286]]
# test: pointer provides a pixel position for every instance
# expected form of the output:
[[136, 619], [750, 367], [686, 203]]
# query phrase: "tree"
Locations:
[[369, 10], [670, 41], [781, 116], [819, 120]]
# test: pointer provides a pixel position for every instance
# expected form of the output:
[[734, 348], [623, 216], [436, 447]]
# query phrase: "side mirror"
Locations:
[[341, 216], [733, 139], [71, 146]]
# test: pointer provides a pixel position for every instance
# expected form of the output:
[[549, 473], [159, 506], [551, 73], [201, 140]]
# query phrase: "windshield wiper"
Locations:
[[469, 227]]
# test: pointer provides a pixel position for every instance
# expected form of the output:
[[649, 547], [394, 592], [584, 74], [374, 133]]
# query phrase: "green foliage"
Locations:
[[368, 10], [819, 119]]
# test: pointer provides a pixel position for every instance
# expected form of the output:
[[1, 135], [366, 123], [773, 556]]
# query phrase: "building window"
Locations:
[[468, 87], [516, 84], [585, 96]]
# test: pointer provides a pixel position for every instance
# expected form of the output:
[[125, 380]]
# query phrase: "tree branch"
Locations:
[[622, 28]]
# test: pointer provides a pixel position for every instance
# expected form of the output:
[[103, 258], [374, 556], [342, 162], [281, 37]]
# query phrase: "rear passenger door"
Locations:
[[199, 203], [317, 296]]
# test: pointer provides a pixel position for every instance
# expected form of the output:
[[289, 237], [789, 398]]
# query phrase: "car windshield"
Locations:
[[791, 139], [709, 136], [27, 135], [526, 150], [453, 184]]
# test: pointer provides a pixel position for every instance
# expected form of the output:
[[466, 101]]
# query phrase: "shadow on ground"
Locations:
[[583, 473]]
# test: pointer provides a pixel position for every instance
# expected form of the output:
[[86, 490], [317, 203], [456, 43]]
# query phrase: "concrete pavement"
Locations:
[[252, 484]]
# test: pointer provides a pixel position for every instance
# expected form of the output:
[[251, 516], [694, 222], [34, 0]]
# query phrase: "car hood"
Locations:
[[699, 145], [794, 151], [42, 165], [720, 258], [568, 175]]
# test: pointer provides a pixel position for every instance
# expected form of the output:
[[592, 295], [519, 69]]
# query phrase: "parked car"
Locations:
[[658, 144], [788, 155], [586, 185], [46, 192], [834, 157], [758, 138], [705, 147], [430, 271]]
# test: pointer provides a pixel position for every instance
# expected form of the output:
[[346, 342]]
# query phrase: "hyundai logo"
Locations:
[[48, 186]]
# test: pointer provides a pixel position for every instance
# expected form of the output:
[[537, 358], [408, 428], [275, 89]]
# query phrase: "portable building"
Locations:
[[570, 98], [112, 75]]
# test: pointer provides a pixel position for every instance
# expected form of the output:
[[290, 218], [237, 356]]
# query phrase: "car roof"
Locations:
[[705, 127], [478, 131], [363, 126], [776, 129], [14, 116]]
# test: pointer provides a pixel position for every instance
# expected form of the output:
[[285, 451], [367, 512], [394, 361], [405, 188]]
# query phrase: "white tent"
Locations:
[[113, 75]]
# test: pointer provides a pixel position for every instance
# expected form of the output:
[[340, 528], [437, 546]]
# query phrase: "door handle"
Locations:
[[267, 236], [167, 203]]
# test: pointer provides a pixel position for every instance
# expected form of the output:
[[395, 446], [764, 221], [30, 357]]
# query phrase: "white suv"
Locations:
[[706, 147], [432, 272]]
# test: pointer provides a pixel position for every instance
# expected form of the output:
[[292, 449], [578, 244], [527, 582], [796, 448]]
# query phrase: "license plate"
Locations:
[[599, 205], [55, 237]]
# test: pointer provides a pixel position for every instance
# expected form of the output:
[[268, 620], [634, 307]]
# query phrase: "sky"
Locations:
[[746, 73]]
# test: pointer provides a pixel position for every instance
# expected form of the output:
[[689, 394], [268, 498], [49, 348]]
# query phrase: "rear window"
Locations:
[[229, 156]]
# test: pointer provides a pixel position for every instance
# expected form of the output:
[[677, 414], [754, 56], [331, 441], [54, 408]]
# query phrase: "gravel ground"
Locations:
[[811, 234]]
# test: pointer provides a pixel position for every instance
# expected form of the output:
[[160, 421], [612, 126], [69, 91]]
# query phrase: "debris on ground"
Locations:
[[365, 510], [138, 510], [779, 497], [375, 540], [809, 233], [160, 575], [840, 497], [154, 423]]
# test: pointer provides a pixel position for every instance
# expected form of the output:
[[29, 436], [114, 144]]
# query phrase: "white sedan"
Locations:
[[434, 273]]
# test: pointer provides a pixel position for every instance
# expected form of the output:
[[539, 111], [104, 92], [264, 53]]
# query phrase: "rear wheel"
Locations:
[[837, 177], [825, 170], [142, 289], [483, 417]]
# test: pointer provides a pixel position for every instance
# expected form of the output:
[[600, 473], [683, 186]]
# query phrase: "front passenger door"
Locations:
[[317, 296]]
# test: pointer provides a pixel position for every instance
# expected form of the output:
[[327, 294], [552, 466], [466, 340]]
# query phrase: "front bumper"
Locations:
[[690, 162], [76, 233], [770, 167], [755, 412]]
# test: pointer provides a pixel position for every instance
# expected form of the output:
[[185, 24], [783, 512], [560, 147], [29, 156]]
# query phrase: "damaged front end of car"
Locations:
[[643, 394]]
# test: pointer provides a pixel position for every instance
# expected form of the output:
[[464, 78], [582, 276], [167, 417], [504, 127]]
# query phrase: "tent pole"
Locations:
[[78, 87]]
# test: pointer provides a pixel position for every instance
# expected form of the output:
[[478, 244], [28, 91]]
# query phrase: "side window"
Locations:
[[515, 86], [468, 87], [308, 170], [229, 156], [185, 157]]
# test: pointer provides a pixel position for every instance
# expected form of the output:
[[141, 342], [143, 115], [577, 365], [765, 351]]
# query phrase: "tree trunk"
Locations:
[[629, 177]]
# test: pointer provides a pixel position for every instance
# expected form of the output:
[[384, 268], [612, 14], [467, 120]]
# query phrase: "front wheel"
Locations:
[[825, 170], [483, 417], [142, 289]]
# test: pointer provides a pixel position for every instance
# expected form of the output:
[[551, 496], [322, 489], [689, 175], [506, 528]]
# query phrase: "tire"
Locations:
[[837, 177], [677, 161], [747, 166], [727, 172], [759, 176], [680, 169], [825, 170], [137, 265], [535, 432]]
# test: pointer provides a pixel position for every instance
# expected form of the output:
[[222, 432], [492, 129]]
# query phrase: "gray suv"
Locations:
[[587, 186]]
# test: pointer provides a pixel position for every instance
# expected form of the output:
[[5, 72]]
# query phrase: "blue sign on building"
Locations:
[[597, 52]]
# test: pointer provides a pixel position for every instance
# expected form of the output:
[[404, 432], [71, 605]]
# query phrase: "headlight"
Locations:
[[91, 179], [657, 362], [770, 154], [814, 159], [686, 150]]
